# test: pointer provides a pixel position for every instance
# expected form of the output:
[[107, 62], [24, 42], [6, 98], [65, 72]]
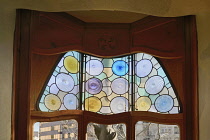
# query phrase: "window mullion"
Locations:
[[81, 80], [133, 83]]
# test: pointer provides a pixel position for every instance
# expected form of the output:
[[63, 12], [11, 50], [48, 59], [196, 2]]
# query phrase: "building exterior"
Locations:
[[58, 130], [68, 130]]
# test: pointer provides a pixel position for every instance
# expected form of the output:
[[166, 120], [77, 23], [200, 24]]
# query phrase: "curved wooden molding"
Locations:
[[58, 33], [109, 119], [56, 50]]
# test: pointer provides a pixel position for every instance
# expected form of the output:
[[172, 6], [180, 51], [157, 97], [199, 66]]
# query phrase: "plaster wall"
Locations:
[[150, 7], [203, 28]]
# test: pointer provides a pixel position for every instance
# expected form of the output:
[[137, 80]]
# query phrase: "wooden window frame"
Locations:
[[24, 117]]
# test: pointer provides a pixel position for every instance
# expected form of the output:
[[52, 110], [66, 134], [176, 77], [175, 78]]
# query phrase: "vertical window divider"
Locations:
[[83, 70], [81, 80], [133, 83]]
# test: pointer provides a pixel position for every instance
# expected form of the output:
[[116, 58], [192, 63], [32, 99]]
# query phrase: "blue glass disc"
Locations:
[[70, 101], [120, 68], [164, 103], [94, 86]]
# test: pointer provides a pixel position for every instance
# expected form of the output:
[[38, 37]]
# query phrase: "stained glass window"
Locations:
[[154, 91], [135, 82]]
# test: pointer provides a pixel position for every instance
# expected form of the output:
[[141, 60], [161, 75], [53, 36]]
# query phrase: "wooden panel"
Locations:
[[176, 76], [51, 31], [21, 89], [162, 37], [42, 67], [107, 39], [191, 80]]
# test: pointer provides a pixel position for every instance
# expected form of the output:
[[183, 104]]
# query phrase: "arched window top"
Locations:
[[135, 82]]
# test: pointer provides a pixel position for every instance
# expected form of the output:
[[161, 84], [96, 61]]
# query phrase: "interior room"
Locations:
[[104, 11]]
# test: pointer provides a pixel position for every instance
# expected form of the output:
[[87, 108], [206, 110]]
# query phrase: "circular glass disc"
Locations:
[[92, 104], [71, 64], [154, 84], [94, 67], [70, 101], [120, 68], [164, 103], [93, 86], [120, 85], [64, 82], [52, 102], [119, 105], [143, 68], [143, 104]]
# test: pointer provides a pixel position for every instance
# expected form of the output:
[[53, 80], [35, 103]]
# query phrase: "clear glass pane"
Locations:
[[154, 131], [59, 130], [106, 132]]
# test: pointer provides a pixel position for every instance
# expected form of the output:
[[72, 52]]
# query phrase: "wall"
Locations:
[[203, 28], [151, 7], [7, 18]]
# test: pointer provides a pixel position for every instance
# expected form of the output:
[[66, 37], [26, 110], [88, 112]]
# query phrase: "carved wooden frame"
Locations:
[[28, 52]]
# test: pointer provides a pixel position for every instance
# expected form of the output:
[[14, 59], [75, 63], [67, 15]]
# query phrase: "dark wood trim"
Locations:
[[15, 71], [21, 84], [143, 115], [129, 118], [192, 112], [53, 51]]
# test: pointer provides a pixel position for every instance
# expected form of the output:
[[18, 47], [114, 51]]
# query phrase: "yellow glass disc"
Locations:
[[92, 104], [71, 64], [52, 102], [143, 104]]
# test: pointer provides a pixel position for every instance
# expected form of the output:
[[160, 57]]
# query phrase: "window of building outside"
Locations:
[[87, 81]]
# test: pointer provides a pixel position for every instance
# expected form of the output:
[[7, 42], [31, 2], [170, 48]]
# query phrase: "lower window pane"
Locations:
[[106, 132], [57, 130], [154, 131]]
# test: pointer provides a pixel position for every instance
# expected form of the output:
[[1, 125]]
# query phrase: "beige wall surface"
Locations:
[[203, 28], [151, 7]]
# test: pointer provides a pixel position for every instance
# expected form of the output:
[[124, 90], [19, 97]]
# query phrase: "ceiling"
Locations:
[[103, 16]]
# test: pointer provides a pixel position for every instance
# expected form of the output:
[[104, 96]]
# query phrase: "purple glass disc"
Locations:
[[93, 86]]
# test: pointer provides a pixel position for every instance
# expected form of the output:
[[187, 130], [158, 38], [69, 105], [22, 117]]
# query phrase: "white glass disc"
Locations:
[[94, 67], [64, 82], [143, 68], [119, 105], [154, 84], [120, 86]]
